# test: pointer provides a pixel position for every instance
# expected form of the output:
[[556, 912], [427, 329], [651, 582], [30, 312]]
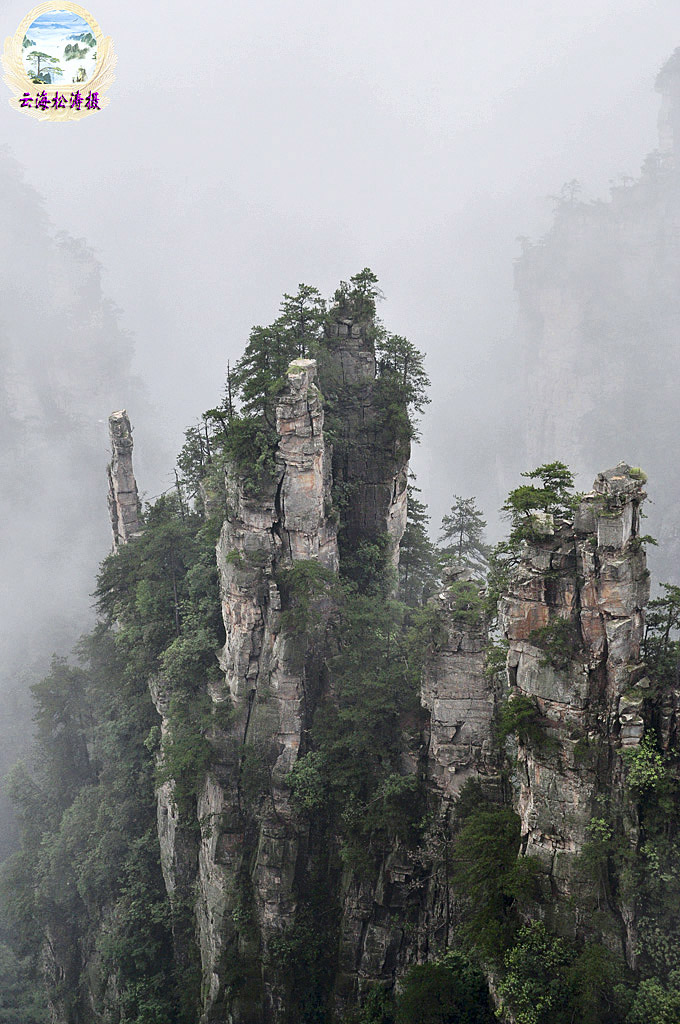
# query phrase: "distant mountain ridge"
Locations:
[[84, 37]]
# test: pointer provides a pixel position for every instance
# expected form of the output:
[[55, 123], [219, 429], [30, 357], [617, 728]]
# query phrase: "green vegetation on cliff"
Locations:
[[403, 890], [85, 893]]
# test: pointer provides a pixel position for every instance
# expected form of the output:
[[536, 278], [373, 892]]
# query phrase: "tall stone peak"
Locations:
[[124, 503], [351, 339], [458, 693], [269, 687], [612, 509], [668, 84], [303, 497], [573, 618], [370, 462]]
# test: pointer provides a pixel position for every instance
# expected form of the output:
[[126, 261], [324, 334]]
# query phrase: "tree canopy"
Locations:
[[463, 531]]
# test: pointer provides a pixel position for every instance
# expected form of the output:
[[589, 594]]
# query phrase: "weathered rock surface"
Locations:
[[124, 504], [574, 622], [249, 848], [242, 870], [406, 913], [371, 464], [460, 698]]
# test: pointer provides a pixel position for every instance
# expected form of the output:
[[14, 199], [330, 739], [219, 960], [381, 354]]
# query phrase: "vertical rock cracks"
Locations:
[[249, 845], [573, 618], [124, 504], [369, 462]]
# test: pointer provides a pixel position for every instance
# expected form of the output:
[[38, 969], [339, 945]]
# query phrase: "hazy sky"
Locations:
[[49, 28], [248, 148]]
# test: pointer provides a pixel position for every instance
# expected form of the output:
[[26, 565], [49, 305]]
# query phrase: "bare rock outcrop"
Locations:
[[573, 618], [250, 836], [124, 504], [372, 464], [457, 691]]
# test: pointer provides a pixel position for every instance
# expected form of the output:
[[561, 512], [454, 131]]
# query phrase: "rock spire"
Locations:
[[124, 503]]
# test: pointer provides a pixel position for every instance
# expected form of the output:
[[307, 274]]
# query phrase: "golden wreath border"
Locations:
[[19, 82]]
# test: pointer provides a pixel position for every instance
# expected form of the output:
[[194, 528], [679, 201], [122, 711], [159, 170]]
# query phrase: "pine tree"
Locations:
[[359, 297], [417, 557], [463, 528], [400, 362], [302, 318], [554, 498], [257, 378]]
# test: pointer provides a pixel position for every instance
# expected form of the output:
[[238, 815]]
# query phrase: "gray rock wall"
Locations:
[[372, 464], [251, 837], [589, 690], [459, 696]]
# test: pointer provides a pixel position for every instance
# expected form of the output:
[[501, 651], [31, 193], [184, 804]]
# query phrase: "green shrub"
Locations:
[[234, 557], [378, 1007], [645, 766], [307, 783], [466, 603], [496, 656], [656, 1003], [251, 444], [534, 986], [555, 498], [559, 640], [493, 882], [520, 716], [449, 991]]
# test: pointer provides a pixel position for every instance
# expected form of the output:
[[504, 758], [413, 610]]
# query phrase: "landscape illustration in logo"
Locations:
[[59, 47]]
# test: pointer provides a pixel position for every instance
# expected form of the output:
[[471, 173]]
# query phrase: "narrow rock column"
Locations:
[[124, 503], [249, 855], [373, 463], [303, 497], [457, 692]]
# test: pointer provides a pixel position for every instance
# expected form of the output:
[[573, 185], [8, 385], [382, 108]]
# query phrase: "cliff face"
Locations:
[[242, 869], [406, 912], [250, 840], [573, 619], [459, 695], [370, 464]]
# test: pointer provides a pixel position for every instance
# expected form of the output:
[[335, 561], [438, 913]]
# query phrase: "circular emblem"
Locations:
[[58, 64]]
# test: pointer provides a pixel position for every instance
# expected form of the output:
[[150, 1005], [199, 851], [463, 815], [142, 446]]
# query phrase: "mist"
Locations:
[[245, 151]]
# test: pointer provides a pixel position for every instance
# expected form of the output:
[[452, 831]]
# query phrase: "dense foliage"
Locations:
[[88, 875], [417, 554]]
